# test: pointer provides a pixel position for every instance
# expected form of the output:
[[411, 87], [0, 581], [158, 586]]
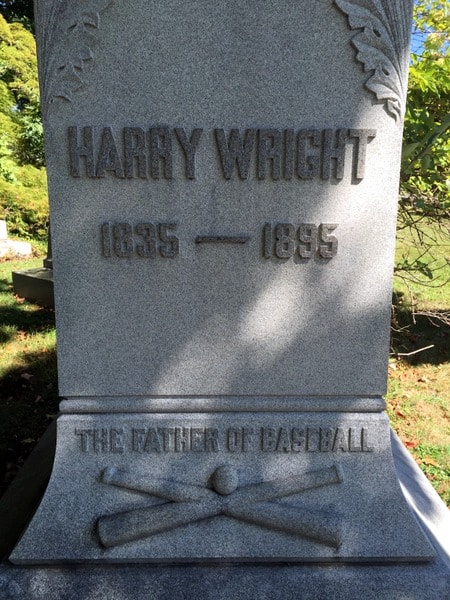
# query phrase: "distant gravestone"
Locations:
[[3, 231], [14, 248], [36, 285], [223, 180]]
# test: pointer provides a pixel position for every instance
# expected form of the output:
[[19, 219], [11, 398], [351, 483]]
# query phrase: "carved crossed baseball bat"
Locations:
[[190, 503]]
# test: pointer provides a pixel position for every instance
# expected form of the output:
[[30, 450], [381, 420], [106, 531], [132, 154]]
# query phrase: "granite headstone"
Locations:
[[3, 231], [36, 284], [10, 247], [223, 180]]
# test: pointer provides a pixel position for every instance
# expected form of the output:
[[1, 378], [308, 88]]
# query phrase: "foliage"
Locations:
[[18, 10], [23, 200], [425, 182], [25, 205]]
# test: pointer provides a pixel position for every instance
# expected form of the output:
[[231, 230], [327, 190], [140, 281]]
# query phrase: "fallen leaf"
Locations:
[[27, 376], [410, 444], [428, 460]]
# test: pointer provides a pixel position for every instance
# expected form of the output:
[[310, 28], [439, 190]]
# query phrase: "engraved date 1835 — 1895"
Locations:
[[159, 240]]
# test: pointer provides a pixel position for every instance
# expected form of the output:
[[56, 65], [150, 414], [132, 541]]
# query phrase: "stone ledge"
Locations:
[[36, 285], [415, 582], [15, 248]]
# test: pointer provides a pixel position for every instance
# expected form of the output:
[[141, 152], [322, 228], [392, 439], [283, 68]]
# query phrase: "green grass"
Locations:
[[28, 384], [427, 288], [435, 463], [25, 328], [419, 384]]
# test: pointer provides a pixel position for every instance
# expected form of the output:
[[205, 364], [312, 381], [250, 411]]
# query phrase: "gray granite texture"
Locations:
[[36, 285], [318, 487], [421, 581], [223, 180]]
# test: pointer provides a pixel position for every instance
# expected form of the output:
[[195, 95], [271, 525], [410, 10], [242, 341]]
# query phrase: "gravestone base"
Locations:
[[15, 249], [418, 581], [225, 487], [245, 582], [36, 285]]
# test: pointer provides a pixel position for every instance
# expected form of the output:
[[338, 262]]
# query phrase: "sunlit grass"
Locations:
[[419, 382]]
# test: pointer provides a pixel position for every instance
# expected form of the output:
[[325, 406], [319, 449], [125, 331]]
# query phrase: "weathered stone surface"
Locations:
[[230, 487], [174, 242], [427, 581], [223, 180], [36, 285]]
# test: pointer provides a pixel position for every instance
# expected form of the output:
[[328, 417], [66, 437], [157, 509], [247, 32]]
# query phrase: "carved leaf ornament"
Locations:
[[70, 79], [75, 26], [382, 45]]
